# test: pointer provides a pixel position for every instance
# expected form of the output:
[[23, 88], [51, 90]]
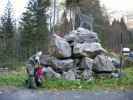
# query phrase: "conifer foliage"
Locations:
[[33, 27]]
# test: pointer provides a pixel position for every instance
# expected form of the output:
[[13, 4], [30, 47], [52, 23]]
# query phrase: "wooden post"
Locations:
[[121, 53]]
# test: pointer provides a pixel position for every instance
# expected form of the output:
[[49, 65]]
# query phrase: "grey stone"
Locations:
[[62, 64], [59, 47], [46, 59], [87, 75], [50, 73], [102, 63], [69, 75], [87, 63], [82, 35], [86, 48], [85, 35]]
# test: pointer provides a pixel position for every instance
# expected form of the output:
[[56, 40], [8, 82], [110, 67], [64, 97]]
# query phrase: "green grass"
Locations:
[[124, 83], [17, 79]]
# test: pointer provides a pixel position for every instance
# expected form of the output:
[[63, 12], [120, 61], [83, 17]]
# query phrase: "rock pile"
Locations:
[[75, 56]]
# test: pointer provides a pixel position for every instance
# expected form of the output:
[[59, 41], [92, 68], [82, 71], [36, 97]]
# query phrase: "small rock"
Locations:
[[70, 75]]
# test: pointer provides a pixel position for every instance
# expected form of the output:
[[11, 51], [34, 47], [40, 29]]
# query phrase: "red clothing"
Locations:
[[38, 72]]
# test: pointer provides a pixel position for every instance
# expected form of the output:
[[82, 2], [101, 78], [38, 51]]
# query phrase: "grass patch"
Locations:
[[17, 79]]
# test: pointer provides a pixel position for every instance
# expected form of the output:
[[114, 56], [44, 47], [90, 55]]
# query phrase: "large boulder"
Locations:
[[82, 35], [87, 48], [63, 65], [59, 47], [72, 36], [103, 64], [50, 73], [87, 63], [86, 36], [46, 60]]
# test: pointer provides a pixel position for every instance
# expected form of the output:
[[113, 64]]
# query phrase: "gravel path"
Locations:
[[63, 95]]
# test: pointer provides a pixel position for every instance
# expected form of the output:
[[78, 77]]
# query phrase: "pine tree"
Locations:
[[89, 7], [65, 26], [7, 33], [8, 28], [118, 33], [124, 32], [34, 31]]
